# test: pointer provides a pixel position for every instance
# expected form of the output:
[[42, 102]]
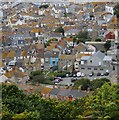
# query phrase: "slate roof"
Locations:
[[54, 91], [107, 58], [56, 35], [77, 94], [64, 92], [67, 57], [46, 90], [76, 31], [85, 58], [99, 55]]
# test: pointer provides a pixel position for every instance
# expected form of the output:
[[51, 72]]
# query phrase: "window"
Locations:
[[82, 68], [95, 68], [53, 62], [89, 68], [91, 61], [101, 69]]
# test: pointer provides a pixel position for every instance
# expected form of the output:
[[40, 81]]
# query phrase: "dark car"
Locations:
[[106, 74], [98, 74], [73, 79]]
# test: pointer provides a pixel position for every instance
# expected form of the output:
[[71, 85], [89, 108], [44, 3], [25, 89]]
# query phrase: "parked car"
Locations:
[[98, 74], [58, 79], [73, 79], [106, 74], [102, 74], [82, 75], [91, 74]]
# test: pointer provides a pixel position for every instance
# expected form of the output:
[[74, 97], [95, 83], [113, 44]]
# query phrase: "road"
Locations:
[[66, 81]]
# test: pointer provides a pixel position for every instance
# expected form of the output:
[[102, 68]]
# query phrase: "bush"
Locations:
[[98, 83], [84, 83], [61, 75], [98, 40]]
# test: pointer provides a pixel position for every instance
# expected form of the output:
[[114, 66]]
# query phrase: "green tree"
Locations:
[[83, 36], [116, 10], [97, 83], [84, 83], [44, 6], [49, 41], [27, 115], [107, 45], [98, 40], [104, 102], [60, 30]]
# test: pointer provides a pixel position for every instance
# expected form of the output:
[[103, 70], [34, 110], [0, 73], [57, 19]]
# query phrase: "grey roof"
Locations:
[[64, 92], [77, 94], [56, 35], [47, 54], [21, 35], [99, 55], [107, 58], [85, 58], [54, 91], [76, 31]]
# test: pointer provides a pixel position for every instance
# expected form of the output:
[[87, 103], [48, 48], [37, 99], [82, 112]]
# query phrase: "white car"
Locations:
[[2, 71], [102, 74], [82, 75]]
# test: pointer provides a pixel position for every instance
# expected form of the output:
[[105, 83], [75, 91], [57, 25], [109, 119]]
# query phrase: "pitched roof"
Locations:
[[11, 54], [76, 31], [67, 57], [107, 58], [64, 92], [46, 90], [80, 47], [85, 58], [52, 46], [39, 46], [69, 39], [54, 91], [99, 54], [77, 94], [3, 78], [56, 35], [1, 63], [36, 30]]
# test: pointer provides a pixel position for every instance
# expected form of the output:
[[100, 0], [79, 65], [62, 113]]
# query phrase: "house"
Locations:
[[109, 36], [74, 94], [45, 92], [107, 60], [96, 59], [19, 39], [98, 62], [58, 36], [54, 58], [109, 9], [63, 94], [51, 58], [80, 48], [3, 78], [69, 41], [72, 8], [54, 92], [107, 16], [66, 62], [78, 58], [71, 32]]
